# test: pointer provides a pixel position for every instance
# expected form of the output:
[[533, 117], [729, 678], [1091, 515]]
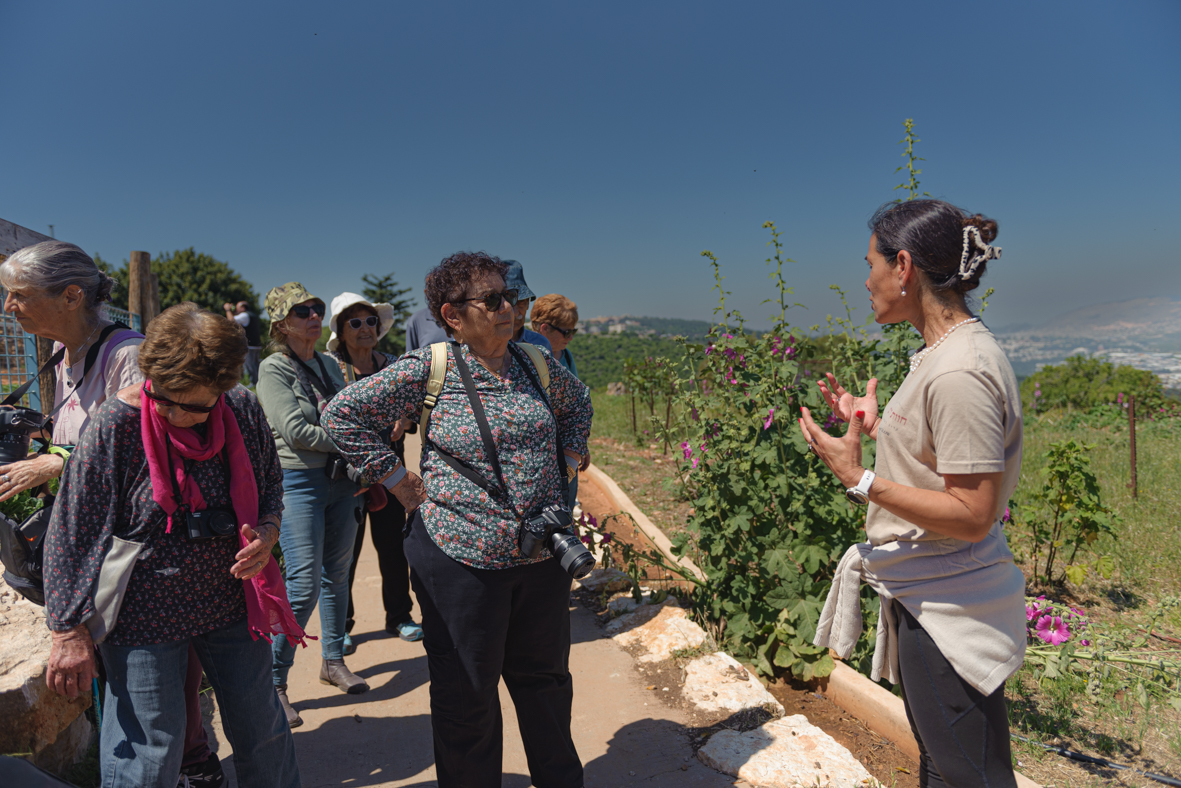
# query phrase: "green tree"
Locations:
[[121, 277], [1081, 382], [187, 275], [384, 289]]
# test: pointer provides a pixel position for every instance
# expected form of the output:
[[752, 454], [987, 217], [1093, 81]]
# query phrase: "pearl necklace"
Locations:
[[917, 358]]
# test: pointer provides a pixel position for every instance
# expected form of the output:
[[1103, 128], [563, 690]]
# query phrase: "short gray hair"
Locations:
[[53, 266]]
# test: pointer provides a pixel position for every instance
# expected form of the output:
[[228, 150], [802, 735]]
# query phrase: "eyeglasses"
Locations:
[[303, 311], [356, 322], [183, 406], [492, 300], [566, 332]]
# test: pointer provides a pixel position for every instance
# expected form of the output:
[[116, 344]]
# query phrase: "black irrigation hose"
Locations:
[[1078, 756]]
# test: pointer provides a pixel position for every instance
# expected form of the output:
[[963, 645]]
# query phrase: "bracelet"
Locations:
[[392, 480]]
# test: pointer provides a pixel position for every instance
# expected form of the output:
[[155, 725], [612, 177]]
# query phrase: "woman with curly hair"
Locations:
[[952, 627], [489, 609]]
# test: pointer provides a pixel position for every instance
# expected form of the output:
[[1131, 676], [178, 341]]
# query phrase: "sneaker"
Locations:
[[207, 774], [407, 630], [349, 646]]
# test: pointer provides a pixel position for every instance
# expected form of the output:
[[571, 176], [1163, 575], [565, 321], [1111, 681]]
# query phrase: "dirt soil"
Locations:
[[664, 680]]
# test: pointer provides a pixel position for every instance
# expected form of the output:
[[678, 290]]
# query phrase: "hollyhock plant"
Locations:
[[770, 418], [1053, 630]]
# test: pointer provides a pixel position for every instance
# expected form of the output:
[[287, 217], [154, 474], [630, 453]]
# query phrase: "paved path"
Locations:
[[383, 737]]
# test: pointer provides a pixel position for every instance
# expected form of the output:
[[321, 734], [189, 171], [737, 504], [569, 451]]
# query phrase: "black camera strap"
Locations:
[[467, 471], [528, 367], [309, 379]]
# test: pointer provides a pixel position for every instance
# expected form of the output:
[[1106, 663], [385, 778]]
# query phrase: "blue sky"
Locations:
[[602, 144]]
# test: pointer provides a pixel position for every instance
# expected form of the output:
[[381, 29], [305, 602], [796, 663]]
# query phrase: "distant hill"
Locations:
[[648, 326]]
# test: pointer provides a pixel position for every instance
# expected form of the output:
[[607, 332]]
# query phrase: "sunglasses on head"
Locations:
[[355, 323], [303, 311], [183, 406], [492, 300], [566, 332]]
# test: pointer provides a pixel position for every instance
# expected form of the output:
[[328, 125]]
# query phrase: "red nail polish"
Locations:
[[861, 414]]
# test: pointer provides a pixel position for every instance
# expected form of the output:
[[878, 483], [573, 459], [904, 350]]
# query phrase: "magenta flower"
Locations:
[[591, 521], [770, 418], [606, 538], [687, 449], [586, 540], [1031, 612], [1008, 517], [694, 463], [1053, 630]]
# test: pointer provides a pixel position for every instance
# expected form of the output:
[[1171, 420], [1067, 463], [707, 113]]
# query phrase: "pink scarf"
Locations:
[[267, 610]]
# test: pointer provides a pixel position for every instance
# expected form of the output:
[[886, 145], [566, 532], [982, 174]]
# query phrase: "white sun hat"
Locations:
[[341, 304]]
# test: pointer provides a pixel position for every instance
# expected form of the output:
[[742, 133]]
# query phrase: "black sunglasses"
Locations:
[[492, 300], [186, 408], [303, 311], [566, 332], [355, 323]]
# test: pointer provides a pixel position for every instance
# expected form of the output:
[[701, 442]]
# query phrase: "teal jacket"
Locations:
[[294, 421]]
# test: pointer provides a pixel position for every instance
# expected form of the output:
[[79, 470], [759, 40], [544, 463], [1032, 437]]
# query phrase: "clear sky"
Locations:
[[604, 144]]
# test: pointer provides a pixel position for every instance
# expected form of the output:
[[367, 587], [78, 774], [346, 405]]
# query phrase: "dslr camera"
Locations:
[[210, 524], [551, 527], [17, 427]]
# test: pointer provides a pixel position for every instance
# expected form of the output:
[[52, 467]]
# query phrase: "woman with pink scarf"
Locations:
[[161, 538]]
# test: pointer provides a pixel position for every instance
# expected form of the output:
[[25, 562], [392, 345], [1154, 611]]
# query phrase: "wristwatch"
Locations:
[[860, 494]]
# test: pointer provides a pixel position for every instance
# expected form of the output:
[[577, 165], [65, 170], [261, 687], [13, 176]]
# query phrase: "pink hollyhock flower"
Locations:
[[1053, 630], [687, 449], [1031, 612], [586, 540], [770, 418], [606, 538], [694, 463], [591, 521]]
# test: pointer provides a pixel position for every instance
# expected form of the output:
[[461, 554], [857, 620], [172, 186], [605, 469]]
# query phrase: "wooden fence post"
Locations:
[[1132, 442], [154, 300], [139, 284], [48, 380]]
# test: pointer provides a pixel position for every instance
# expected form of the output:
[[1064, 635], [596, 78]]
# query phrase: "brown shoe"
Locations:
[[293, 718], [334, 673]]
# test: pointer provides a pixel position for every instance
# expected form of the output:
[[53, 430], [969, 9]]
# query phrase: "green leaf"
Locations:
[[1076, 573]]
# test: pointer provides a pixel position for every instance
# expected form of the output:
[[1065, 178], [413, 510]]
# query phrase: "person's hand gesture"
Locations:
[[254, 557], [844, 405], [842, 455]]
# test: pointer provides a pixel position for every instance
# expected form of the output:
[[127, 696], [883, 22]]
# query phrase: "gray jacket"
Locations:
[[301, 441]]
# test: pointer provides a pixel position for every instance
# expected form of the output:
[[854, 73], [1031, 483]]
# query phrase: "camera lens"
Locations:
[[14, 447], [223, 523], [572, 554]]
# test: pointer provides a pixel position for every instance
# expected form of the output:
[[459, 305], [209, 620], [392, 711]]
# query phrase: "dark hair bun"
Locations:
[[105, 285], [987, 226]]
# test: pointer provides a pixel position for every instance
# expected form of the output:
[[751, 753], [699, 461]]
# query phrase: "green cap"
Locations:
[[280, 299]]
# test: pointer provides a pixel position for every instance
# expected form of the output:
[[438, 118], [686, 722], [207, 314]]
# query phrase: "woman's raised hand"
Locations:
[[844, 404]]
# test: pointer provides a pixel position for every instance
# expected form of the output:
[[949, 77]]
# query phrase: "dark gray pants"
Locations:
[[480, 625], [963, 735]]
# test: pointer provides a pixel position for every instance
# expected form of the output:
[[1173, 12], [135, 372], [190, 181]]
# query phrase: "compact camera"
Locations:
[[338, 468], [210, 524], [551, 527], [17, 427]]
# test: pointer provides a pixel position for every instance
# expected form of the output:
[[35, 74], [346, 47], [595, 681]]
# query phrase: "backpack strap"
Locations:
[[434, 384], [535, 355]]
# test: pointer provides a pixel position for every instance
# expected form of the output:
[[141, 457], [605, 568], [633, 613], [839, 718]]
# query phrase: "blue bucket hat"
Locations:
[[514, 279]]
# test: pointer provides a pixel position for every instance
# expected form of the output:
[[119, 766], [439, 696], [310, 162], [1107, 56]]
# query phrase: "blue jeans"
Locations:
[[319, 529], [143, 732]]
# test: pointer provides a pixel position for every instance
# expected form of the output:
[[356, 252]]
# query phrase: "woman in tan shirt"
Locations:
[[949, 455]]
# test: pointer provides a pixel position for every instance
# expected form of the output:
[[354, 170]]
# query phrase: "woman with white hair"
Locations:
[[357, 326], [55, 291]]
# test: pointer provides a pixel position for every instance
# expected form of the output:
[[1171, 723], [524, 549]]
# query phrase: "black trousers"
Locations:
[[385, 527], [963, 735], [482, 625]]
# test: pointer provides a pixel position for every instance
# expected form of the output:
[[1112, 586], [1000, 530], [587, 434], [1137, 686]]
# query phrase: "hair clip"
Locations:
[[972, 239]]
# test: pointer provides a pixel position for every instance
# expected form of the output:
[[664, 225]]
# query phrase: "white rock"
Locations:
[[609, 580], [623, 604], [785, 753], [658, 630], [33, 717], [717, 683]]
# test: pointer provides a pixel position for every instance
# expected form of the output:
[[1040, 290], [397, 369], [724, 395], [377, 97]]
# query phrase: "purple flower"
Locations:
[[586, 540], [1120, 399], [694, 463], [709, 350], [770, 418], [1008, 517], [687, 449], [704, 449], [1086, 642], [606, 538], [1053, 630], [1031, 612]]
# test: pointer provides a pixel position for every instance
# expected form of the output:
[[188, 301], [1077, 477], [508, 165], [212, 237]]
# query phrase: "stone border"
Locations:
[[620, 500], [881, 710]]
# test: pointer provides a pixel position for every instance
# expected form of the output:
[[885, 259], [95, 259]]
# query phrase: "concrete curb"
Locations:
[[880, 710], [622, 502]]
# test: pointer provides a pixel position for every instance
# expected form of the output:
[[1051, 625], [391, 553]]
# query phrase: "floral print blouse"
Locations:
[[463, 520], [179, 589]]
